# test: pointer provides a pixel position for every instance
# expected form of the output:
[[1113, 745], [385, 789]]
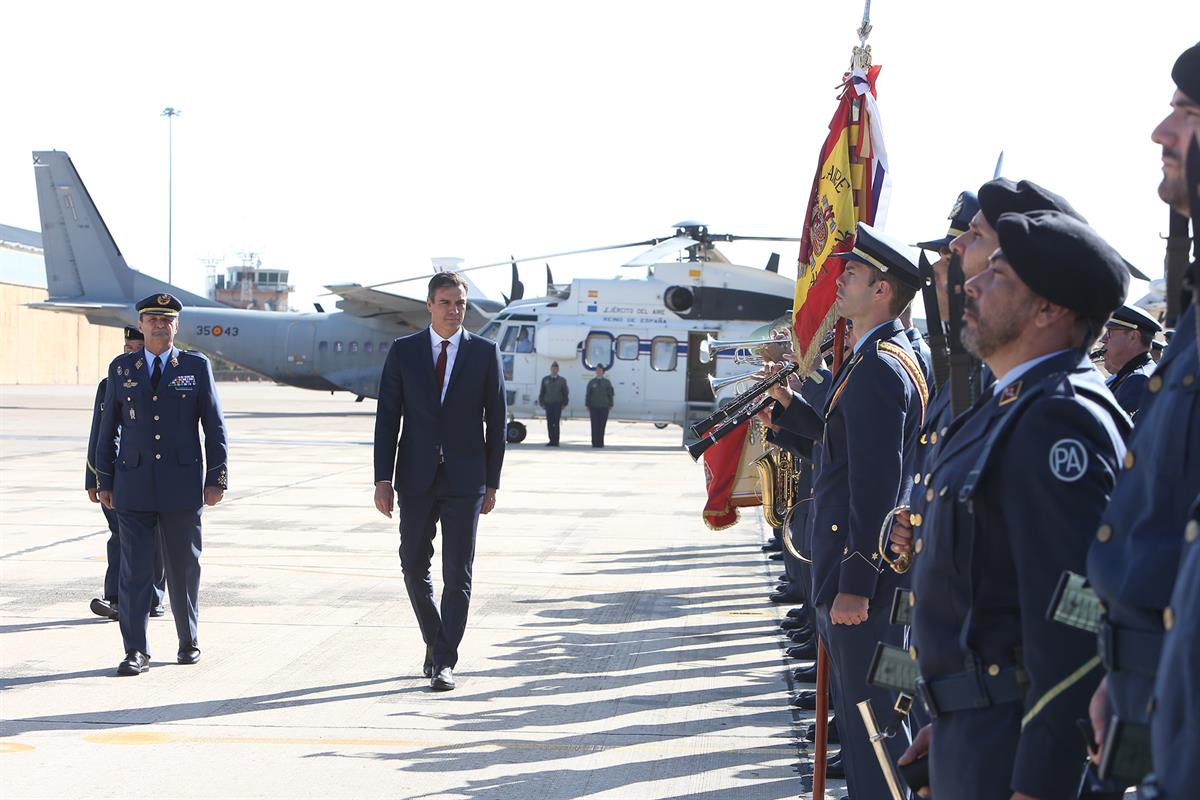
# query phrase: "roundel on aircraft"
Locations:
[[217, 330]]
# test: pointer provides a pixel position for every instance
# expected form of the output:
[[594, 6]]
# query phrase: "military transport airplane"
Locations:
[[344, 350]]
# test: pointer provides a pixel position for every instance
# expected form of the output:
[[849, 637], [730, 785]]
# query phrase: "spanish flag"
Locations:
[[850, 187]]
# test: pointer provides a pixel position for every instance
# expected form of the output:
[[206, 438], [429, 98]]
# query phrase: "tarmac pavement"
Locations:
[[616, 647]]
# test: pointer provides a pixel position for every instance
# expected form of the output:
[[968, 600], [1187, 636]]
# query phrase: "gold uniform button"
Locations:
[[156, 417], [1191, 532], [929, 495], [1129, 459], [1104, 533], [916, 520], [920, 545], [158, 436], [1155, 384], [917, 479], [157, 456], [912, 651], [1189, 379], [155, 397], [933, 437], [833, 528], [1168, 618], [994, 670], [928, 478], [924, 439]]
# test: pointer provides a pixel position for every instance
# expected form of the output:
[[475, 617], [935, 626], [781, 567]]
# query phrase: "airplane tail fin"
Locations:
[[83, 262]]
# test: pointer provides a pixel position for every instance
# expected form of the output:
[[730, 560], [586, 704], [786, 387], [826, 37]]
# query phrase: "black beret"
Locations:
[[1186, 72], [965, 208], [133, 335], [1002, 196], [166, 305], [1135, 318], [884, 254], [1064, 261]]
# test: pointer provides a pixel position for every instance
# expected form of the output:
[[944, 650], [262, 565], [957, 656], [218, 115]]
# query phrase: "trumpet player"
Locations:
[[868, 426], [1009, 503]]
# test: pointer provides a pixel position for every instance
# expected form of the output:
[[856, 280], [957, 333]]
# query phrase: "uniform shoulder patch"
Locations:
[[1068, 460]]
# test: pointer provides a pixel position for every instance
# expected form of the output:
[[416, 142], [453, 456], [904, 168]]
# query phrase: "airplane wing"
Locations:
[[399, 310]]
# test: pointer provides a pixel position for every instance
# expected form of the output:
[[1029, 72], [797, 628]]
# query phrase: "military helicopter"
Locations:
[[652, 334]]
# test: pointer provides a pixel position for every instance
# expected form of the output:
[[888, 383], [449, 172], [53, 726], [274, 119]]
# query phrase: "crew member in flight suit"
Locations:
[[107, 606], [1126, 340], [1150, 603], [156, 478], [1010, 503], [869, 426]]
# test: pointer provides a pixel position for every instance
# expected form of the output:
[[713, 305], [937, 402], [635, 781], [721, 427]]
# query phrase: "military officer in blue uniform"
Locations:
[[107, 605], [156, 477], [1010, 502], [1126, 341], [1150, 525], [868, 426]]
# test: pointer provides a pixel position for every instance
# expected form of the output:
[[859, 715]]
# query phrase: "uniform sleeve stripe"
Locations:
[[1059, 688]]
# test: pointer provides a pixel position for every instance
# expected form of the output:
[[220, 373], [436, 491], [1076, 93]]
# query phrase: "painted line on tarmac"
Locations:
[[15, 747], [162, 737]]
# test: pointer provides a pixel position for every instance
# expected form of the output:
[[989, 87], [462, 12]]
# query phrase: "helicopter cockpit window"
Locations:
[[489, 331], [518, 339], [598, 350], [627, 347], [664, 353]]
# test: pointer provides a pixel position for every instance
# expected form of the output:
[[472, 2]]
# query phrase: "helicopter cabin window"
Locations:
[[598, 350], [337, 347], [322, 346], [518, 339], [627, 347], [664, 353], [354, 347], [489, 331], [368, 347]]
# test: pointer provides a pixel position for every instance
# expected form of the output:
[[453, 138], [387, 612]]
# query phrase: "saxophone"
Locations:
[[777, 477]]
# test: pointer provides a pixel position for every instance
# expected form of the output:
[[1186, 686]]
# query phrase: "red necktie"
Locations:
[[441, 367]]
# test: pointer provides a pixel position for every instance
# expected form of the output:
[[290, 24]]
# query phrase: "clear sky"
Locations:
[[353, 141]]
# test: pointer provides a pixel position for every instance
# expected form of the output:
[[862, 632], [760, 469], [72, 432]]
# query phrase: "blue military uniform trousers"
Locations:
[[459, 518], [851, 648], [180, 531], [113, 573]]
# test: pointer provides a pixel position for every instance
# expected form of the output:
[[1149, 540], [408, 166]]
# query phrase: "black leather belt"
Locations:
[[1129, 649], [976, 689]]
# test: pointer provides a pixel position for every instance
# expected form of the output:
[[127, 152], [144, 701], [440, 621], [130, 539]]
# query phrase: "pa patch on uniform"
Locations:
[[1068, 460]]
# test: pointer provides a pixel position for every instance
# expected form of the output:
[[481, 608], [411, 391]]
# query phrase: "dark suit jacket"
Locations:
[[158, 434], [468, 428]]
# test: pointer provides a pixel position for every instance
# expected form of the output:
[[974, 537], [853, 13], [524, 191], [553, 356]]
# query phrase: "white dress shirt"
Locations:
[[451, 351]]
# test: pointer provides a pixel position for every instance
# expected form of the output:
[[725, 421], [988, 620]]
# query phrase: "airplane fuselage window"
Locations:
[[354, 347], [627, 347], [368, 347], [598, 351], [518, 339], [664, 353], [322, 346], [337, 347]]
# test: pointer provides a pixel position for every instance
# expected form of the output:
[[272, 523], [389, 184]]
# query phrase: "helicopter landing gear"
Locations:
[[515, 432]]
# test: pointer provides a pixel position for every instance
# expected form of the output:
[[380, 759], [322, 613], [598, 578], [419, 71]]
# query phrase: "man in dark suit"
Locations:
[[107, 605], [155, 479], [447, 387]]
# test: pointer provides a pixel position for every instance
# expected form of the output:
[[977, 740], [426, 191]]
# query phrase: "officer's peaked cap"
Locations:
[[1064, 261], [133, 335], [965, 207], [885, 254], [162, 304], [1130, 316]]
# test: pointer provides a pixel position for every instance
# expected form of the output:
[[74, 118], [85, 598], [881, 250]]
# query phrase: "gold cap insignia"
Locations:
[[163, 299]]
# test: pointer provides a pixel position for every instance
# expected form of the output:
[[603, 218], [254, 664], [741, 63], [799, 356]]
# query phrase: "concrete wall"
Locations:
[[41, 347]]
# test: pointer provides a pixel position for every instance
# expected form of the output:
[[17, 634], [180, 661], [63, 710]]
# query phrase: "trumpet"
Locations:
[[711, 346], [901, 562]]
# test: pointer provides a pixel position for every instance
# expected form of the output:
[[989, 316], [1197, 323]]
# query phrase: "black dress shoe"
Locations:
[[805, 701], [776, 556], [783, 597], [800, 637], [805, 674], [443, 679], [104, 608], [834, 768], [188, 653], [135, 663], [798, 611], [803, 652], [793, 624], [158, 611], [831, 733], [427, 667], [772, 546]]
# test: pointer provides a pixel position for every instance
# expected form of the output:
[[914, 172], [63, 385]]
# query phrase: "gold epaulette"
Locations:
[[912, 368]]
